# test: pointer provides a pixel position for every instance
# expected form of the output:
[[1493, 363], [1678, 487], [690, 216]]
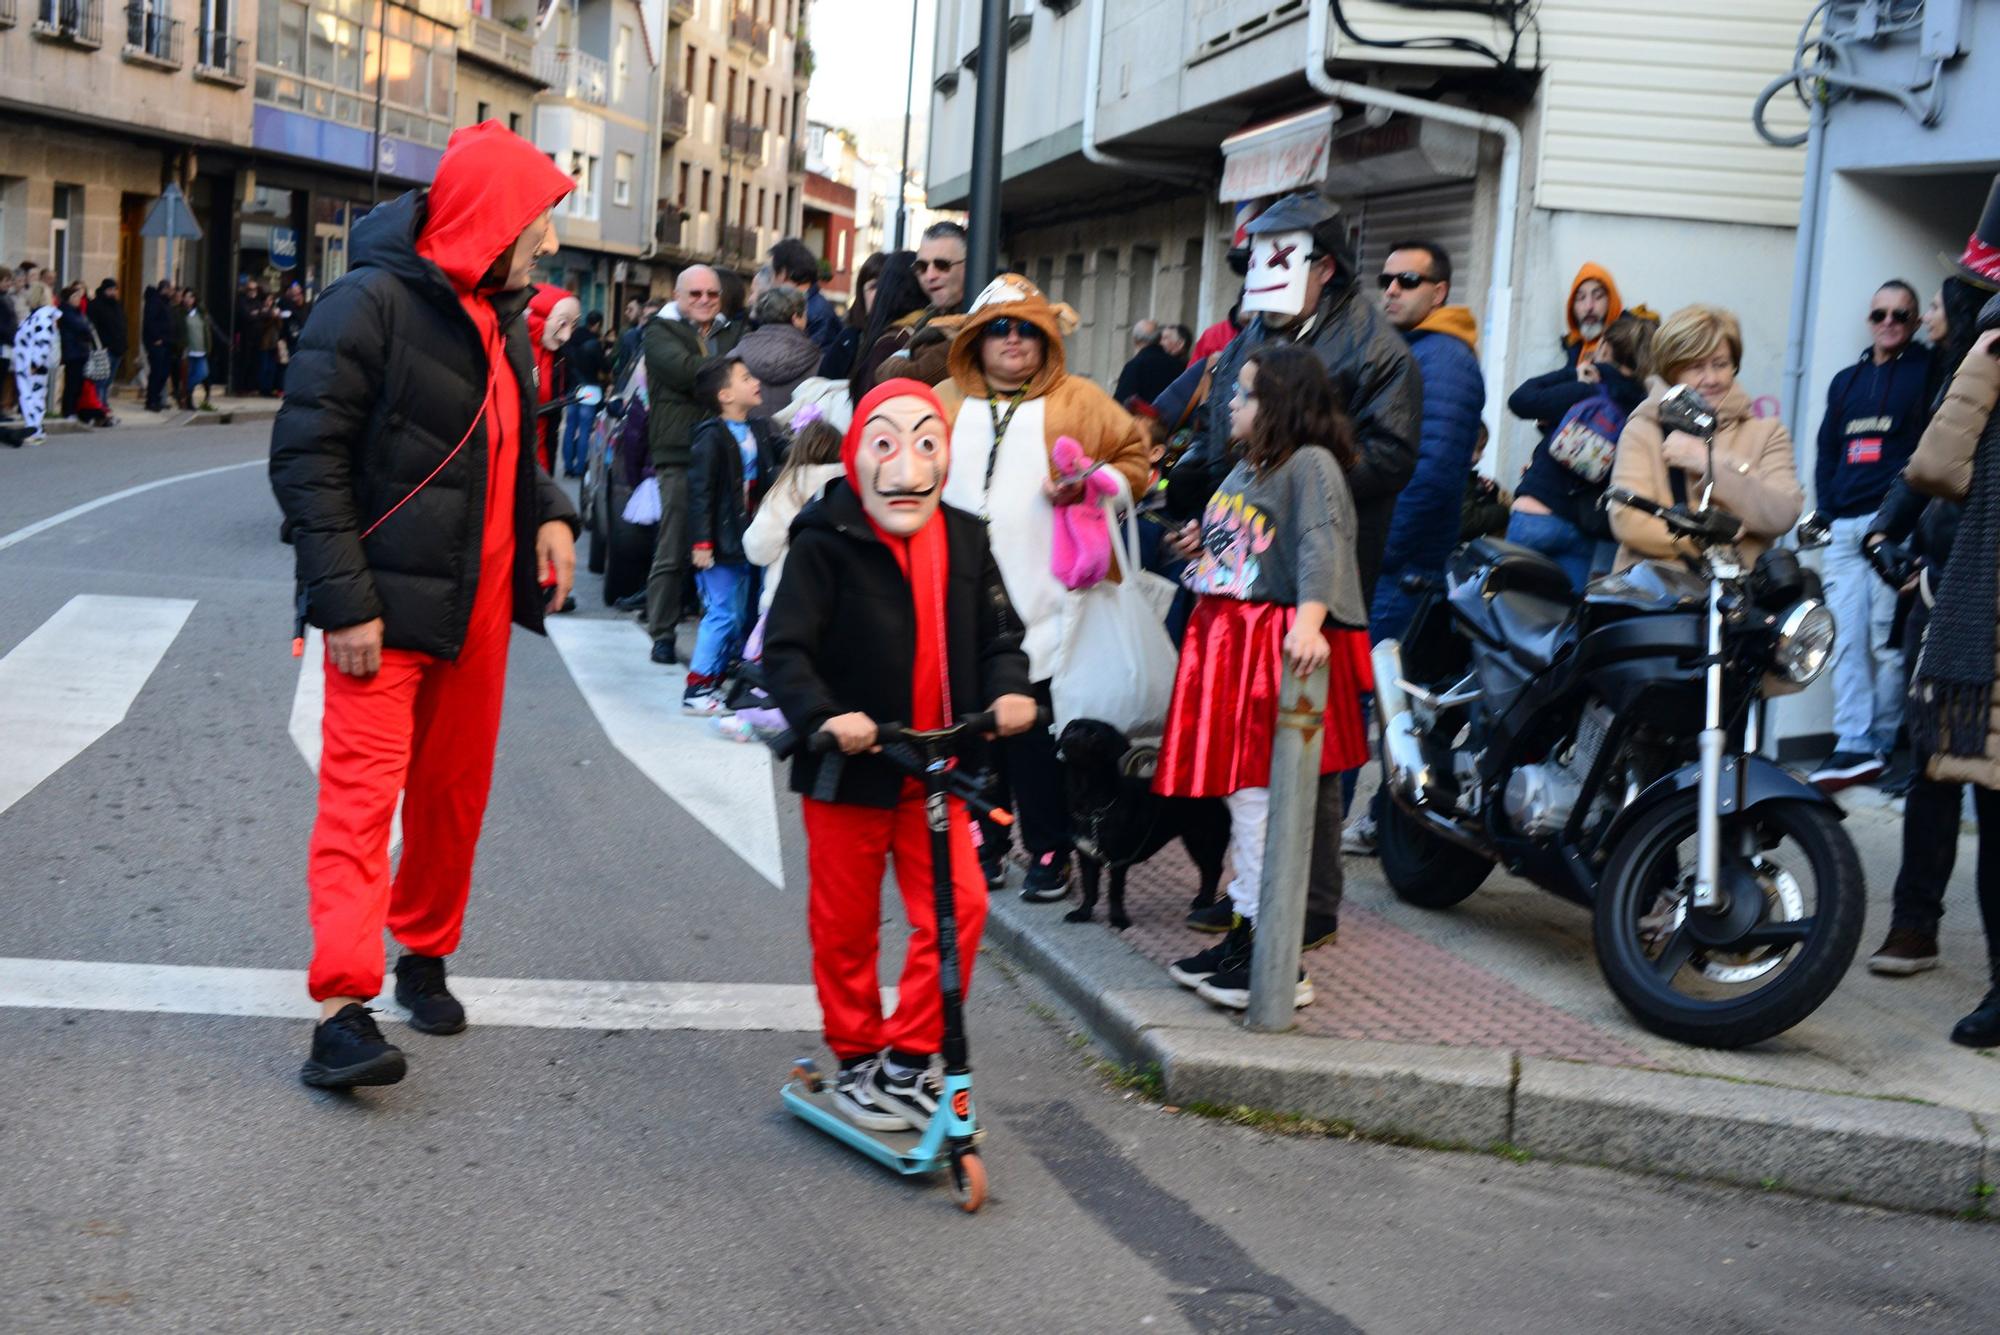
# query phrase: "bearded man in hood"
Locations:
[[403, 458]]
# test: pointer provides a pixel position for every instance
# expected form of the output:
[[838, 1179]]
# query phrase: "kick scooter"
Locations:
[[951, 1139]]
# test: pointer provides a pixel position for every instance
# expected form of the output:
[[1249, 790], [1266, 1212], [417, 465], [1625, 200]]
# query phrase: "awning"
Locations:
[[1279, 156]]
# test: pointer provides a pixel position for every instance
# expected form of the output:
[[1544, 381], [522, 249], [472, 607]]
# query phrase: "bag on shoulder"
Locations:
[[1585, 441], [1116, 663], [98, 365]]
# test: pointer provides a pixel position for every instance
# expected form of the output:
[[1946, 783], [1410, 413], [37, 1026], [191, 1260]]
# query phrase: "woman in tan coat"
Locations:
[[1755, 478], [1954, 712]]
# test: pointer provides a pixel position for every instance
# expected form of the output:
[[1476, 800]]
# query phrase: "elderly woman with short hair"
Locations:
[[1755, 479]]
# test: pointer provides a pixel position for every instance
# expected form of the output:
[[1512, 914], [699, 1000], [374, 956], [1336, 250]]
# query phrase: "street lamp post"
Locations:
[[989, 115], [381, 71], [903, 182]]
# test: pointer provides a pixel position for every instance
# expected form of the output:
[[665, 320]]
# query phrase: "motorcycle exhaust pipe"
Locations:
[[1409, 774]]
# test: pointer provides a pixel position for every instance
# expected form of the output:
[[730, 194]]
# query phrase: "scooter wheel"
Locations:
[[807, 1074], [968, 1182]]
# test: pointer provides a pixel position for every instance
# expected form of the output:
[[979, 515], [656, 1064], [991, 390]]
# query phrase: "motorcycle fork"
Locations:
[[1708, 894]]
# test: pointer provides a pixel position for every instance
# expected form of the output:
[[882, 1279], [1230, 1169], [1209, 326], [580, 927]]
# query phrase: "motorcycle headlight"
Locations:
[[1805, 641]]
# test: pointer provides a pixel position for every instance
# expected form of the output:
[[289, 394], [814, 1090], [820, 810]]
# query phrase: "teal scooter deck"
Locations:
[[946, 1144]]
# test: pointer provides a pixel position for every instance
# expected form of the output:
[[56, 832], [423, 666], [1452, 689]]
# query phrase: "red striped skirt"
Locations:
[[1225, 708]]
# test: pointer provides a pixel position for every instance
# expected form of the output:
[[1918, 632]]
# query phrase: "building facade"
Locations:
[[1626, 141]]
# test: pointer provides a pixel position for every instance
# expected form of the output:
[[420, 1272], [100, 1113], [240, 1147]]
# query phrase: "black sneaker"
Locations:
[[420, 990], [854, 1098], [1228, 953], [993, 865], [1904, 952], [348, 1050], [1217, 917], [1047, 879], [1231, 988], [631, 602], [664, 654], [1981, 1029], [1321, 930], [1844, 769], [914, 1094]]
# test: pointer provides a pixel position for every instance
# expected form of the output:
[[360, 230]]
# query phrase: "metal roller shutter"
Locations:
[[1440, 213]]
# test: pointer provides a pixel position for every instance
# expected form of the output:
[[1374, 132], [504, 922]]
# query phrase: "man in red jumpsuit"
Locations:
[[403, 458]]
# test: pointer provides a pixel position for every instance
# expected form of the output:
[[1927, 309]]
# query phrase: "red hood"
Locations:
[[546, 298], [490, 185]]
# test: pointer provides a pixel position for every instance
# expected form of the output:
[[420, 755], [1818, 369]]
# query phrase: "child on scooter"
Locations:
[[891, 609], [1278, 588]]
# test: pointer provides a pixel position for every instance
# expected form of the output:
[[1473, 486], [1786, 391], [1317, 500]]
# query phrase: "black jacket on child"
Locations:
[[841, 637], [719, 502], [388, 374]]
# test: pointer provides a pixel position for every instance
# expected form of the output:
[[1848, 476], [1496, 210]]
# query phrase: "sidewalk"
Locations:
[[223, 410], [1491, 1025]]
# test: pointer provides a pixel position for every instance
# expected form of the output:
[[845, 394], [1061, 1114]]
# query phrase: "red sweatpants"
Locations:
[[847, 848], [425, 729]]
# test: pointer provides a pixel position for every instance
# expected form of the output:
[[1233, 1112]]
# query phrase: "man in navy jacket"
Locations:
[[1875, 411]]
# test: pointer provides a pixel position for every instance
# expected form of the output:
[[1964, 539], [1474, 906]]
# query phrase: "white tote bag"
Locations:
[[643, 506], [1116, 663]]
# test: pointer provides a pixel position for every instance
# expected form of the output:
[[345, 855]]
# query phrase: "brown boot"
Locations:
[[1906, 951]]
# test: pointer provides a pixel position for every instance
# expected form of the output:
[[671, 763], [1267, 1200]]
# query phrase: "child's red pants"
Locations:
[[426, 729], [847, 847]]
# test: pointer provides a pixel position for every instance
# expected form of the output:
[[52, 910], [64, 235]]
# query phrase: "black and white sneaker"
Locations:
[[1231, 988], [912, 1091], [855, 1099], [1845, 769], [1231, 952], [1217, 917], [420, 990], [348, 1050], [1047, 879]]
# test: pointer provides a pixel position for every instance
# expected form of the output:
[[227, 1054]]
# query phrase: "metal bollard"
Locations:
[[1288, 834]]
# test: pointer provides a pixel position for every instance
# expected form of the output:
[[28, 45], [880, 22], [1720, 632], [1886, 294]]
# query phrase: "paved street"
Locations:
[[616, 1158]]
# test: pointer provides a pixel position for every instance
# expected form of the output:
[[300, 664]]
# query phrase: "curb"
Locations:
[[230, 417], [1905, 1155]]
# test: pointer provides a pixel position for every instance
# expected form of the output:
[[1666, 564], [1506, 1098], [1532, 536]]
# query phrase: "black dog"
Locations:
[[1118, 820]]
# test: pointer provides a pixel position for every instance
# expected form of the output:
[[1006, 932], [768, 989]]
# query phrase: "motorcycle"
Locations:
[[1606, 748]]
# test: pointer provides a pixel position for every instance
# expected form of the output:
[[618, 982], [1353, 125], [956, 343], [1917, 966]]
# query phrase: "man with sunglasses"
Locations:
[[1876, 409], [677, 342], [941, 268]]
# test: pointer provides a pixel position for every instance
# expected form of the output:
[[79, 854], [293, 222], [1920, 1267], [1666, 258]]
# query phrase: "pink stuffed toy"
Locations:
[[1082, 553]]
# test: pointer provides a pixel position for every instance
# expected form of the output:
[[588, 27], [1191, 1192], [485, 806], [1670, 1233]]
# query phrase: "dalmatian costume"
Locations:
[[34, 356]]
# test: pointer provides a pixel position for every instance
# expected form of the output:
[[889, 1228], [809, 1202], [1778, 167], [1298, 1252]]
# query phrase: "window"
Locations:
[[687, 76], [743, 205], [763, 203], [682, 198], [514, 121], [706, 177], [711, 80], [750, 100], [65, 222], [784, 126], [730, 105], [483, 113], [767, 109], [621, 63], [322, 57], [621, 179]]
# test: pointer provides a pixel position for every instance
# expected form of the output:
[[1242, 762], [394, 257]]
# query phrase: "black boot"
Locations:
[[1981, 1029], [421, 991], [348, 1050]]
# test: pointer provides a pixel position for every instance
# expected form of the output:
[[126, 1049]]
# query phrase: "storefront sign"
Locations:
[[284, 248], [1279, 156]]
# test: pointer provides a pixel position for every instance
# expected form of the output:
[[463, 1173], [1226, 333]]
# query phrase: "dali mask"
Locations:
[[1279, 263], [899, 462]]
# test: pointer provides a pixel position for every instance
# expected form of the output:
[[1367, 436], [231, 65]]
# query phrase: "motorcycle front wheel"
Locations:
[[1422, 868], [1760, 965]]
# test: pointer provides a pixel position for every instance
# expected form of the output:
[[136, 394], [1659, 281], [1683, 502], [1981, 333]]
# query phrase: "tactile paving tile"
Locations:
[[1376, 981]]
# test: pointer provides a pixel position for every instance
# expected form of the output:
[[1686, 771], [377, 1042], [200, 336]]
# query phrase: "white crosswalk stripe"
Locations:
[[531, 1003], [74, 679]]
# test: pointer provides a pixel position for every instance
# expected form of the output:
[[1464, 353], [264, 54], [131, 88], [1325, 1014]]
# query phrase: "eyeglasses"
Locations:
[[1878, 315], [704, 292], [942, 266], [1409, 281], [1010, 324]]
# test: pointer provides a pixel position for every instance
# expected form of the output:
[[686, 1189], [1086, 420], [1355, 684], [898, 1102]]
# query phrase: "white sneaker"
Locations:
[[1360, 837], [706, 704], [735, 729], [37, 439]]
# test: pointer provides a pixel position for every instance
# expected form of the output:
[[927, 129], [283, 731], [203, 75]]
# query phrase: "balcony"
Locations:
[[798, 160], [802, 61], [218, 57], [739, 241], [746, 141], [499, 45], [151, 38], [760, 41], [570, 73], [674, 117], [73, 22], [680, 11], [668, 223], [742, 29], [8, 14]]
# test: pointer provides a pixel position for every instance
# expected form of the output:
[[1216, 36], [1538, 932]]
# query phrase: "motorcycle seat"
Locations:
[[1532, 624], [1511, 566]]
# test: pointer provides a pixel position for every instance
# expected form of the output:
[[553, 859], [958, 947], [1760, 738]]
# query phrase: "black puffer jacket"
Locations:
[[720, 502], [1380, 388], [842, 637], [389, 374]]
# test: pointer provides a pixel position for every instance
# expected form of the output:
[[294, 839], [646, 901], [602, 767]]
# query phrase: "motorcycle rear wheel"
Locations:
[[1786, 965], [1422, 868]]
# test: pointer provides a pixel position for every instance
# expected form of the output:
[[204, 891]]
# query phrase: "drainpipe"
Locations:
[[1805, 263], [1500, 293], [1137, 167]]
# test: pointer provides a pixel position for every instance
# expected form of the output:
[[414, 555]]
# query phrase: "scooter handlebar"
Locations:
[[891, 734]]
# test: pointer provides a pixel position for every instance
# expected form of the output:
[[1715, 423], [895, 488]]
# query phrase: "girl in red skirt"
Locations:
[[1280, 591]]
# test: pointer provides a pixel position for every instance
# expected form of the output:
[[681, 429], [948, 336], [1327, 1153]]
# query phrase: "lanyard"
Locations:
[[1000, 422]]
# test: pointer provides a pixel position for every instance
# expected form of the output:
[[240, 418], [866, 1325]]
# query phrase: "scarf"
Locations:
[[924, 558], [1952, 693]]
